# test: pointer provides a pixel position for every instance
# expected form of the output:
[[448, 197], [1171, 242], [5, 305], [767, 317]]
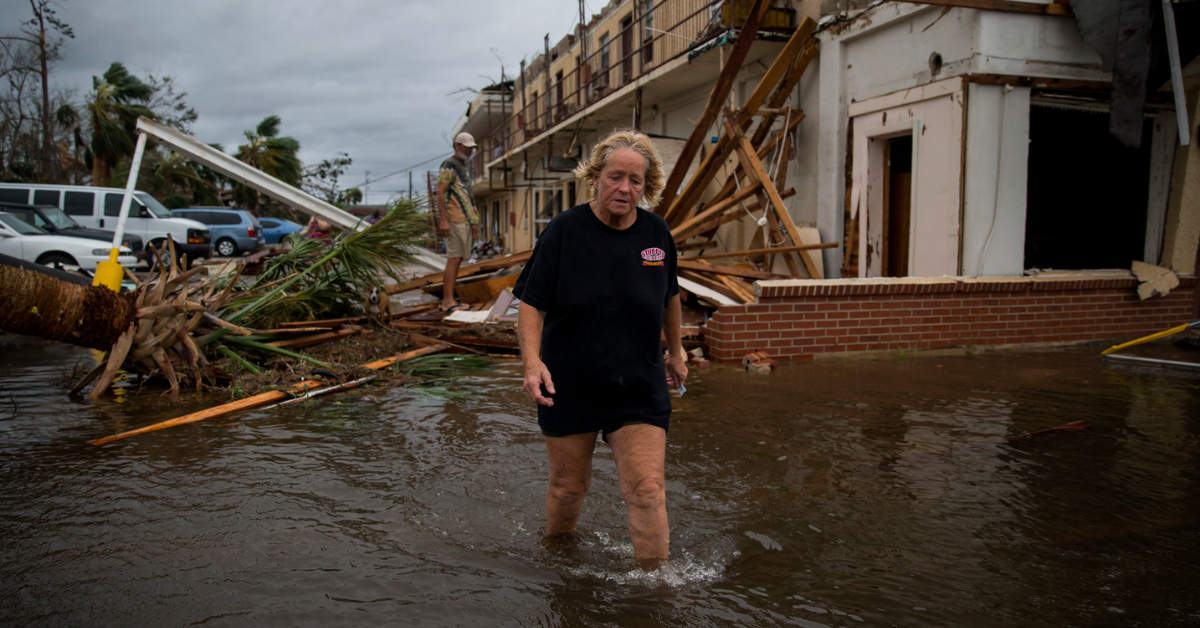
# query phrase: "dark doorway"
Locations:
[[1087, 194], [897, 205]]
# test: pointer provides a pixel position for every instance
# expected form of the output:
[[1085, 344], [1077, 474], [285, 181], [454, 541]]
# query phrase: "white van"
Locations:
[[99, 208]]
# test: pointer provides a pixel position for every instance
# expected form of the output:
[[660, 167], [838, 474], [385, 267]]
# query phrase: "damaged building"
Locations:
[[982, 172]]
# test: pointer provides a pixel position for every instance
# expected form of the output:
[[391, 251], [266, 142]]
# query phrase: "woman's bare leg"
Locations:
[[640, 452], [570, 478]]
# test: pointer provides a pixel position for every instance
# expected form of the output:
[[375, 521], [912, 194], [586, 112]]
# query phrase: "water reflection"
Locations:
[[831, 494]]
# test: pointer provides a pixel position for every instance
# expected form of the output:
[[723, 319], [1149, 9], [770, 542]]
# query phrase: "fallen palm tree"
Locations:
[[176, 324]]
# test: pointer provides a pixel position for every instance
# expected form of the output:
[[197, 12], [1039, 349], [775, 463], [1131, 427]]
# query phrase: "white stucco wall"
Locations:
[[887, 50], [995, 207]]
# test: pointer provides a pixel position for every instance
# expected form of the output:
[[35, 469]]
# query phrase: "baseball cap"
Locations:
[[465, 139]]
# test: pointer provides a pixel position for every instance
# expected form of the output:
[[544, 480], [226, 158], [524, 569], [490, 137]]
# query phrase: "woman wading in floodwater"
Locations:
[[599, 288]]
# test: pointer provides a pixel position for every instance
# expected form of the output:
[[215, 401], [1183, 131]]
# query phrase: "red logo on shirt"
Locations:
[[654, 256]]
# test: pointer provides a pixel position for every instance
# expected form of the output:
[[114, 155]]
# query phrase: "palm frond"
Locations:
[[444, 366], [334, 277]]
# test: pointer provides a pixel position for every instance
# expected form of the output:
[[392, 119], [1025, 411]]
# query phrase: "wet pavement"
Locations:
[[841, 493]]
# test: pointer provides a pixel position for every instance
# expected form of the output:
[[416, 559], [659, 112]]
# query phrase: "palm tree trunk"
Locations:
[[97, 171], [39, 305]]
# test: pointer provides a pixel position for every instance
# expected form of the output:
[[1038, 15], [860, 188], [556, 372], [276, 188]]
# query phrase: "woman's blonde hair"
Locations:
[[590, 168]]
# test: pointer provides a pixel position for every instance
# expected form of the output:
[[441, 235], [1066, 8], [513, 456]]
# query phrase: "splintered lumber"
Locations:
[[777, 70], [712, 284], [689, 227], [718, 95], [259, 400], [705, 267], [730, 217], [697, 246], [744, 292], [749, 157], [330, 323], [426, 341], [704, 292], [310, 341], [783, 66], [777, 249], [463, 271], [503, 346], [763, 151]]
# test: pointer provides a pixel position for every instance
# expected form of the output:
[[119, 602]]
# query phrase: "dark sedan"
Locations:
[[54, 220]]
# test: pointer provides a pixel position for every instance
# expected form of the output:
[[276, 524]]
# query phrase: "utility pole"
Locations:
[[410, 184], [367, 188]]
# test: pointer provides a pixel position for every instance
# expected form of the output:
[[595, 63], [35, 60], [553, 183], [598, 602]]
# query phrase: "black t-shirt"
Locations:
[[604, 292]]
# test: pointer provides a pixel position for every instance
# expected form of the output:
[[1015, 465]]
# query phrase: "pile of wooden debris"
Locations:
[[746, 168]]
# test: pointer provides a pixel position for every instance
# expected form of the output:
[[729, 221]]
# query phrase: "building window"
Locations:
[[648, 32]]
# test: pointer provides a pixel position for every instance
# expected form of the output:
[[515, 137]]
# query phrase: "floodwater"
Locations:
[[840, 493]]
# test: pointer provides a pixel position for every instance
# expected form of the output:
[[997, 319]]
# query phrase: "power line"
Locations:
[[403, 170]]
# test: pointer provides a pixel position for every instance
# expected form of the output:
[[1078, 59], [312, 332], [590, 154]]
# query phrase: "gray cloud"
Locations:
[[371, 78]]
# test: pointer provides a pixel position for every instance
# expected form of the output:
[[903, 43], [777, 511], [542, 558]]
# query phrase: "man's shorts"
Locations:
[[458, 243]]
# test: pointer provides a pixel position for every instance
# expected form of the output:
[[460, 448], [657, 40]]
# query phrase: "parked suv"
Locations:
[[234, 231], [100, 208], [54, 220]]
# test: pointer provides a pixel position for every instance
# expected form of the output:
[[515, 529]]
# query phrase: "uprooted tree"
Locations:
[[174, 323]]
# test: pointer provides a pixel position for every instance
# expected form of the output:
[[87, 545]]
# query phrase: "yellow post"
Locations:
[[109, 273]]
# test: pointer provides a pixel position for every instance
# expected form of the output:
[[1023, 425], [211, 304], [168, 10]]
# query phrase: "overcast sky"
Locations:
[[372, 78]]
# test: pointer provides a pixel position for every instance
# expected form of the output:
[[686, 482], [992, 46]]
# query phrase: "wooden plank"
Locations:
[[259, 400], [748, 156], [778, 249], [744, 293], [716, 98], [687, 229], [318, 339], [697, 246], [1002, 5], [711, 284], [353, 320], [779, 69], [766, 148], [726, 270], [777, 236], [704, 292], [785, 90], [699, 181], [463, 271], [426, 341], [710, 226]]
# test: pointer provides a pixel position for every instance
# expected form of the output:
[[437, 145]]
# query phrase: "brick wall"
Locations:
[[795, 319]]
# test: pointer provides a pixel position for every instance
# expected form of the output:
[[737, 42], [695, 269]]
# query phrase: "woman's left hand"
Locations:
[[677, 370]]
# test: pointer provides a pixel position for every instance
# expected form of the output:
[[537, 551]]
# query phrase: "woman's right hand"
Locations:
[[536, 374]]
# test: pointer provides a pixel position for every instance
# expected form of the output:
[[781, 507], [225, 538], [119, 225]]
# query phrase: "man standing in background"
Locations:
[[458, 220]]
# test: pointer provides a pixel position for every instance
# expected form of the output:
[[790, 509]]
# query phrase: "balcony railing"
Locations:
[[666, 30]]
